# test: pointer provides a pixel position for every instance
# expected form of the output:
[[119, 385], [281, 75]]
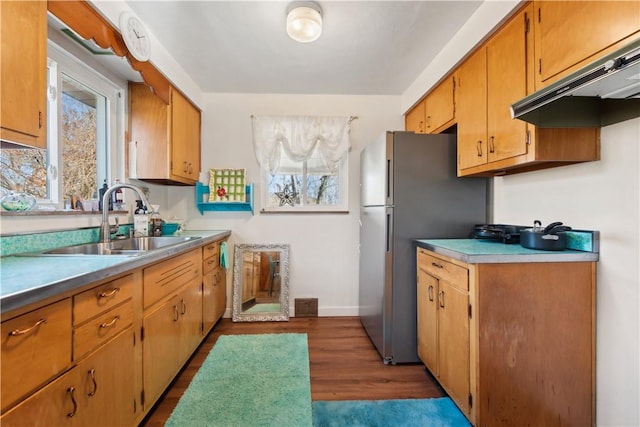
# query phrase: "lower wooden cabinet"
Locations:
[[512, 343], [171, 333], [25, 363], [96, 392], [443, 326], [103, 356]]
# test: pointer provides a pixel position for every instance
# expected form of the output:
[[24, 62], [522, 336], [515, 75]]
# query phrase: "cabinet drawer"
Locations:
[[210, 259], [212, 249], [444, 270], [99, 299], [102, 328], [35, 347], [163, 278]]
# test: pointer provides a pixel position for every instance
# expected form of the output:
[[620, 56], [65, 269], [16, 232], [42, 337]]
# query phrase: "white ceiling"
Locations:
[[367, 47]]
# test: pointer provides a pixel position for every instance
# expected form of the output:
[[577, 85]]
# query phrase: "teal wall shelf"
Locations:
[[202, 191]]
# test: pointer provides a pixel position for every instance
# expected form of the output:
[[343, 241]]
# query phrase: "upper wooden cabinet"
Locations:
[[23, 74], [166, 137], [415, 118], [490, 142], [435, 112], [440, 106], [570, 34]]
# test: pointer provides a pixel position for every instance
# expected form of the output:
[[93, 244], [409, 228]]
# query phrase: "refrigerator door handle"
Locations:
[[389, 229]]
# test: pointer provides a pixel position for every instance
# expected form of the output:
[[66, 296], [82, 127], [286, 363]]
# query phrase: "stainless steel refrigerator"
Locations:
[[408, 190]]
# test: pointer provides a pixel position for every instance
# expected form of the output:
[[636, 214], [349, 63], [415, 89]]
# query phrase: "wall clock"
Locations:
[[135, 36]]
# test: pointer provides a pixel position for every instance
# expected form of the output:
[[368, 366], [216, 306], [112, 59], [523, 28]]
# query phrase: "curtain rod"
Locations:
[[351, 118]]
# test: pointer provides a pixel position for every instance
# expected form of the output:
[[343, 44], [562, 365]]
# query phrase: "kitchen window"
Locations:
[[303, 162], [84, 112]]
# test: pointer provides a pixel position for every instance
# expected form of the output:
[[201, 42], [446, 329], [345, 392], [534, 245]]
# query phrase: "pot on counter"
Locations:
[[550, 238]]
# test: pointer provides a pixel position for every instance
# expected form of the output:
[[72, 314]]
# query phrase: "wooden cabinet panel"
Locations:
[[427, 321], [163, 278], [472, 111], [454, 274], [36, 346], [210, 257], [414, 120], [536, 334], [23, 72], [506, 83], [440, 106], [214, 287], [171, 333], [97, 392], [98, 330], [102, 298], [570, 34], [443, 325], [190, 334], [185, 138], [453, 349], [166, 137]]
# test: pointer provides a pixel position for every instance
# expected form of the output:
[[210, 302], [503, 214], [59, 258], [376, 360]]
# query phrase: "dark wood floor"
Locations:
[[343, 363]]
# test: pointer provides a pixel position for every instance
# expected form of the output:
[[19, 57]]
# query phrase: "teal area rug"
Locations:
[[441, 412], [250, 380]]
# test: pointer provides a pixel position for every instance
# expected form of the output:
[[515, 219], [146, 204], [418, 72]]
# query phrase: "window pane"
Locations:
[[284, 190], [80, 113], [323, 190], [25, 167]]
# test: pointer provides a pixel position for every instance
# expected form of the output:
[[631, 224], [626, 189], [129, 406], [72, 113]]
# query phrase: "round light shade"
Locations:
[[304, 23]]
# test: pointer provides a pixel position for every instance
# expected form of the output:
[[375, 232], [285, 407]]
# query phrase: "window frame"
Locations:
[[59, 62], [343, 182]]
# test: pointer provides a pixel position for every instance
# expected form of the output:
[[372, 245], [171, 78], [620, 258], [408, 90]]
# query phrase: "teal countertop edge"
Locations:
[[26, 280], [476, 251]]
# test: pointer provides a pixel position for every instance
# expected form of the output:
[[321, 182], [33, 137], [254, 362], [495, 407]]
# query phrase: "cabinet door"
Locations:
[[439, 107], [453, 342], [160, 356], [148, 116], [185, 137], [23, 72], [472, 111], [214, 298], [415, 118], [190, 323], [97, 392], [427, 321], [507, 83], [36, 346], [568, 32]]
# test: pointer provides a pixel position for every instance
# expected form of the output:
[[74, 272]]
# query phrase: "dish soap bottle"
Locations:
[[140, 220], [156, 223]]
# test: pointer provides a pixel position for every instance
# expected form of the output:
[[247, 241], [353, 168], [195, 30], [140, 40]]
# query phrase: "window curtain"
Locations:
[[298, 137]]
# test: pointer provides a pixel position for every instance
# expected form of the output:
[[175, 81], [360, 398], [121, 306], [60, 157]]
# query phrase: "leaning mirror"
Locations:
[[260, 282]]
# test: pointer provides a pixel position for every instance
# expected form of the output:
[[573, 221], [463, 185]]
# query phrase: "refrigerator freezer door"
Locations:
[[375, 173], [375, 275]]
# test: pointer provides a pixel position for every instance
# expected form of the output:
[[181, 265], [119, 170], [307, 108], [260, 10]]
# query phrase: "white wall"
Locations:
[[602, 196], [323, 257]]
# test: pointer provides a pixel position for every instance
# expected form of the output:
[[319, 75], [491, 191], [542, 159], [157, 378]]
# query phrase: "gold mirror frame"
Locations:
[[239, 312]]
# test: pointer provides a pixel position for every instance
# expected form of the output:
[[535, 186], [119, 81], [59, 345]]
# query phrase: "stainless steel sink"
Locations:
[[133, 246]]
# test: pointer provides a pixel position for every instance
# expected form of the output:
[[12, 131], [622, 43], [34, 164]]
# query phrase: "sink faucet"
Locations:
[[105, 227]]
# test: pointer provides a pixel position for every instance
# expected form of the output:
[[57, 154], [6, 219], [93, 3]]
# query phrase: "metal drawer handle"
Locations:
[[441, 298], [17, 332], [435, 264], [92, 373], [184, 307], [109, 294], [71, 391], [176, 313], [113, 322], [430, 292]]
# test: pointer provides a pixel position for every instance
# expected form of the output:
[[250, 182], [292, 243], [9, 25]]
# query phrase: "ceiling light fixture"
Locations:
[[304, 21]]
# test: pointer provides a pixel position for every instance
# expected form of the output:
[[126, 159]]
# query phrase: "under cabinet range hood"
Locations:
[[605, 92]]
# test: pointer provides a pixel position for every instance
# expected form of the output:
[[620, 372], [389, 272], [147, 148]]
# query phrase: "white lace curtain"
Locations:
[[298, 137]]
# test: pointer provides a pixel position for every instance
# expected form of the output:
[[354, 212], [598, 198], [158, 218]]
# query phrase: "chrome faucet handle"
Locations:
[[114, 228]]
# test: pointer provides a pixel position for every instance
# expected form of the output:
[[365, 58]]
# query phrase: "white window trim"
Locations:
[[116, 100]]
